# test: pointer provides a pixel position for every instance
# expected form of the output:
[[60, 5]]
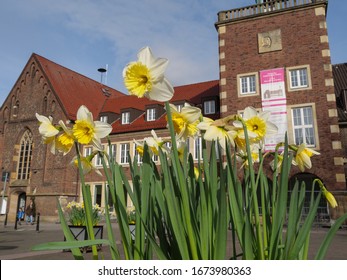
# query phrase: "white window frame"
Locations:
[[179, 107], [88, 151], [125, 117], [197, 148], [151, 114], [98, 161], [113, 151], [209, 107], [123, 155], [104, 119], [300, 84], [252, 87], [304, 125]]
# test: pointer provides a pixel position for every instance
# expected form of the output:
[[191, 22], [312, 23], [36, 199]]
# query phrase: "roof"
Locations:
[[340, 83], [74, 89], [193, 94]]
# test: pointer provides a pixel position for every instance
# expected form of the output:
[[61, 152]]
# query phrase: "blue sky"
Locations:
[[84, 35]]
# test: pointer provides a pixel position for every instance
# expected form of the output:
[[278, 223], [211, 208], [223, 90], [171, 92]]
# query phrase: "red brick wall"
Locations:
[[301, 32]]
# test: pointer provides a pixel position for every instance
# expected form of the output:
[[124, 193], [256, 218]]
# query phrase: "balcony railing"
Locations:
[[266, 7]]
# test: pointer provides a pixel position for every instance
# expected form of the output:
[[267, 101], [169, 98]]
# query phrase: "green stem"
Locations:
[[185, 200], [87, 204]]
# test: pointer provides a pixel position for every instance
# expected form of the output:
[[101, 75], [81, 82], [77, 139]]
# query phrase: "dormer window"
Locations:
[[104, 119], [151, 114], [179, 107], [125, 117], [210, 107]]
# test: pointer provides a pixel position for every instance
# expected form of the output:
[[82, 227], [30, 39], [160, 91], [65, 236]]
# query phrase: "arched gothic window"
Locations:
[[25, 154]]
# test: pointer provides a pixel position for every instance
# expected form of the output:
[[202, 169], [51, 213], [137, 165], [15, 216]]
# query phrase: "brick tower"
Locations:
[[275, 56]]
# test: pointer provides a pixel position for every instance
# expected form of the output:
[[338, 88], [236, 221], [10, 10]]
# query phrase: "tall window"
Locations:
[[151, 114], [88, 151], [113, 151], [303, 126], [247, 84], [298, 78], [25, 155], [125, 117], [210, 107], [97, 194], [197, 148], [124, 150], [104, 119], [98, 160]]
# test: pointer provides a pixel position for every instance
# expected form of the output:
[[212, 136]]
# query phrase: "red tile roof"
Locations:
[[192, 94], [73, 89]]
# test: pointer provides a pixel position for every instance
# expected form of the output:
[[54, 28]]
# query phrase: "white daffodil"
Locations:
[[257, 124], [85, 130], [217, 130], [185, 122], [46, 128], [303, 156], [145, 77]]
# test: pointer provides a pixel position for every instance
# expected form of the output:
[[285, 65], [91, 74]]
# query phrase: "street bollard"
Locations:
[[15, 224], [5, 223], [38, 222]]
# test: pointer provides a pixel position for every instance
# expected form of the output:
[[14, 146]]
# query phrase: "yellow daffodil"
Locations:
[[46, 128], [279, 163], [328, 195], [87, 165], [217, 130], [65, 140], [185, 122], [257, 124], [145, 77], [242, 155], [302, 157], [155, 143], [85, 130]]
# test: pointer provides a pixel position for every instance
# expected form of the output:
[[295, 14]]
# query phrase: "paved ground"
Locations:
[[16, 244]]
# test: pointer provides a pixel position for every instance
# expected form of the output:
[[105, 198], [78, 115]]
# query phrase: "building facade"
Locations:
[[275, 56]]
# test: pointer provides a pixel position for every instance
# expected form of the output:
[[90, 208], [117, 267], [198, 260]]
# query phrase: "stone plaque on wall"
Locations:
[[270, 41]]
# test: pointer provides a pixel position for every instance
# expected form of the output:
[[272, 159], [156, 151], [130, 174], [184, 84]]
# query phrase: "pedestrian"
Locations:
[[20, 215], [30, 212]]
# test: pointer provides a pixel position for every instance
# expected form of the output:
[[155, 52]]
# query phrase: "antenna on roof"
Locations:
[[103, 71]]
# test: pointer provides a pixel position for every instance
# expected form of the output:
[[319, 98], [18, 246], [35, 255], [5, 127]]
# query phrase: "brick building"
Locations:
[[50, 89], [273, 56], [276, 56]]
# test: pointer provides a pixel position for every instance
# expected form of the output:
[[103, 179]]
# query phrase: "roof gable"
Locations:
[[73, 89]]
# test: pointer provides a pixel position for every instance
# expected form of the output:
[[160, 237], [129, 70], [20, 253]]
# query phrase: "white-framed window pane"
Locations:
[[303, 126], [124, 150], [125, 117], [197, 148], [210, 107], [88, 151], [98, 161], [104, 119], [248, 84], [97, 194], [151, 114], [298, 78], [114, 152]]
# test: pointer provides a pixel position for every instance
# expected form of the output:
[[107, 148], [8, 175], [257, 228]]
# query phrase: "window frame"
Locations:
[[290, 70], [256, 84], [292, 127], [209, 107], [123, 155], [126, 117], [151, 114]]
